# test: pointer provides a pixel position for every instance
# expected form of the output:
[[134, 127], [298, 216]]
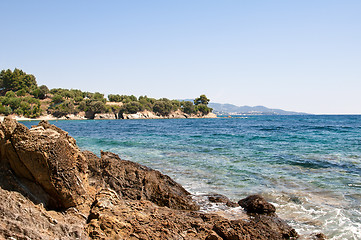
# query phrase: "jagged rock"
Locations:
[[260, 227], [219, 198], [106, 197], [22, 219], [256, 204], [47, 156], [112, 217], [134, 181]]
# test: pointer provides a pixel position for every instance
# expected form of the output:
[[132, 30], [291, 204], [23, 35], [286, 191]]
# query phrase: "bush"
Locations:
[[6, 110], [21, 93], [10, 94]]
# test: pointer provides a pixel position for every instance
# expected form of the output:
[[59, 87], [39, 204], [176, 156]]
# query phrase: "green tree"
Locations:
[[201, 100], [163, 107], [188, 107], [115, 98], [131, 108], [16, 80], [203, 109], [57, 99]]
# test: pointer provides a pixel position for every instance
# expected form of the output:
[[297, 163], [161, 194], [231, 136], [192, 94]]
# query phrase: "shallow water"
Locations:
[[308, 166]]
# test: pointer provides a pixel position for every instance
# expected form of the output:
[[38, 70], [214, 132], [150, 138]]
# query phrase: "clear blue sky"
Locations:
[[300, 55]]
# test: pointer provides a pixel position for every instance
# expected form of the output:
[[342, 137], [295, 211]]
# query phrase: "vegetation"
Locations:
[[20, 94]]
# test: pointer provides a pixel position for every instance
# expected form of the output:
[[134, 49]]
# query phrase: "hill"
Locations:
[[230, 109]]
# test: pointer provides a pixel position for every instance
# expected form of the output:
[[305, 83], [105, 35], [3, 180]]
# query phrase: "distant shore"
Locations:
[[109, 116]]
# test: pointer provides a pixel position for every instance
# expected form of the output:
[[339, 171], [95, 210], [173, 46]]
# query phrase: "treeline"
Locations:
[[20, 94], [162, 106]]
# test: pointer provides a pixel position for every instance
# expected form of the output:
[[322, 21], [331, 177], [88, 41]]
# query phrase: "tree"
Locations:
[[203, 109], [131, 107], [188, 107], [16, 80], [57, 99], [163, 107], [40, 92], [201, 100], [115, 98]]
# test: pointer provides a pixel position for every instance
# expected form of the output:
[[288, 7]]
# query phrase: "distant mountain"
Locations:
[[230, 109]]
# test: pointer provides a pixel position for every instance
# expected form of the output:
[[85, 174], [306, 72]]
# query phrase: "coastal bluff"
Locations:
[[50, 189]]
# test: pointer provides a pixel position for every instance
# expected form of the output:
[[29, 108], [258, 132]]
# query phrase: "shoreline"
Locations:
[[139, 115], [110, 197]]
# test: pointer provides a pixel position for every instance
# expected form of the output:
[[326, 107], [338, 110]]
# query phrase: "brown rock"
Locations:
[[134, 181], [219, 198], [22, 219], [256, 204], [318, 236], [121, 199], [47, 156], [112, 217]]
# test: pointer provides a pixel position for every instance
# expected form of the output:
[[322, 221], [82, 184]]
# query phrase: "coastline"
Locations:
[[110, 198], [110, 116]]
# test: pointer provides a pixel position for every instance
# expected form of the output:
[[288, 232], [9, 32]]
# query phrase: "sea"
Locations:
[[308, 166]]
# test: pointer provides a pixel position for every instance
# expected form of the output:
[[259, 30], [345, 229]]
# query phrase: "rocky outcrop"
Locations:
[[114, 218], [48, 159], [49, 189], [133, 181], [151, 115], [105, 116], [257, 204]]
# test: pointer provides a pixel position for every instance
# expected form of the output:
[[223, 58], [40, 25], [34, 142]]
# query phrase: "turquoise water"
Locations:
[[308, 166]]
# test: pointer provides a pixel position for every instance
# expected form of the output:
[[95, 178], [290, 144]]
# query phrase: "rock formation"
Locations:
[[50, 189]]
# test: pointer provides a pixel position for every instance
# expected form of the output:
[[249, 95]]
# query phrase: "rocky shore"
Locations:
[[109, 116], [50, 189]]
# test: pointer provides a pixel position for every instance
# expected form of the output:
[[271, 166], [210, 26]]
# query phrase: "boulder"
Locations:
[[112, 217], [133, 181], [47, 156], [257, 204], [219, 198]]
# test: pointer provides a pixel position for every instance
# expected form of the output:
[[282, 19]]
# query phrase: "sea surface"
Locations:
[[309, 167]]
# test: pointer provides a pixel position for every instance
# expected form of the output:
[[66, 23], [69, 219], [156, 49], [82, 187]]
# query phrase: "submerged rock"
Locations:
[[49, 189]]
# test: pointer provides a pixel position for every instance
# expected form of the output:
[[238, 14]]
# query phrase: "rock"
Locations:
[[134, 181], [22, 219], [318, 236], [105, 116], [49, 189], [256, 204], [219, 198], [47, 156], [111, 217], [262, 227], [151, 115]]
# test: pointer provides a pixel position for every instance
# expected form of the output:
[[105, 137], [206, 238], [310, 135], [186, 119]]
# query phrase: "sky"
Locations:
[[302, 55]]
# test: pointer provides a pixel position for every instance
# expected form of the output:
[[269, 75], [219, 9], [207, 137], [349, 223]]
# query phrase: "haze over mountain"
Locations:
[[230, 109]]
